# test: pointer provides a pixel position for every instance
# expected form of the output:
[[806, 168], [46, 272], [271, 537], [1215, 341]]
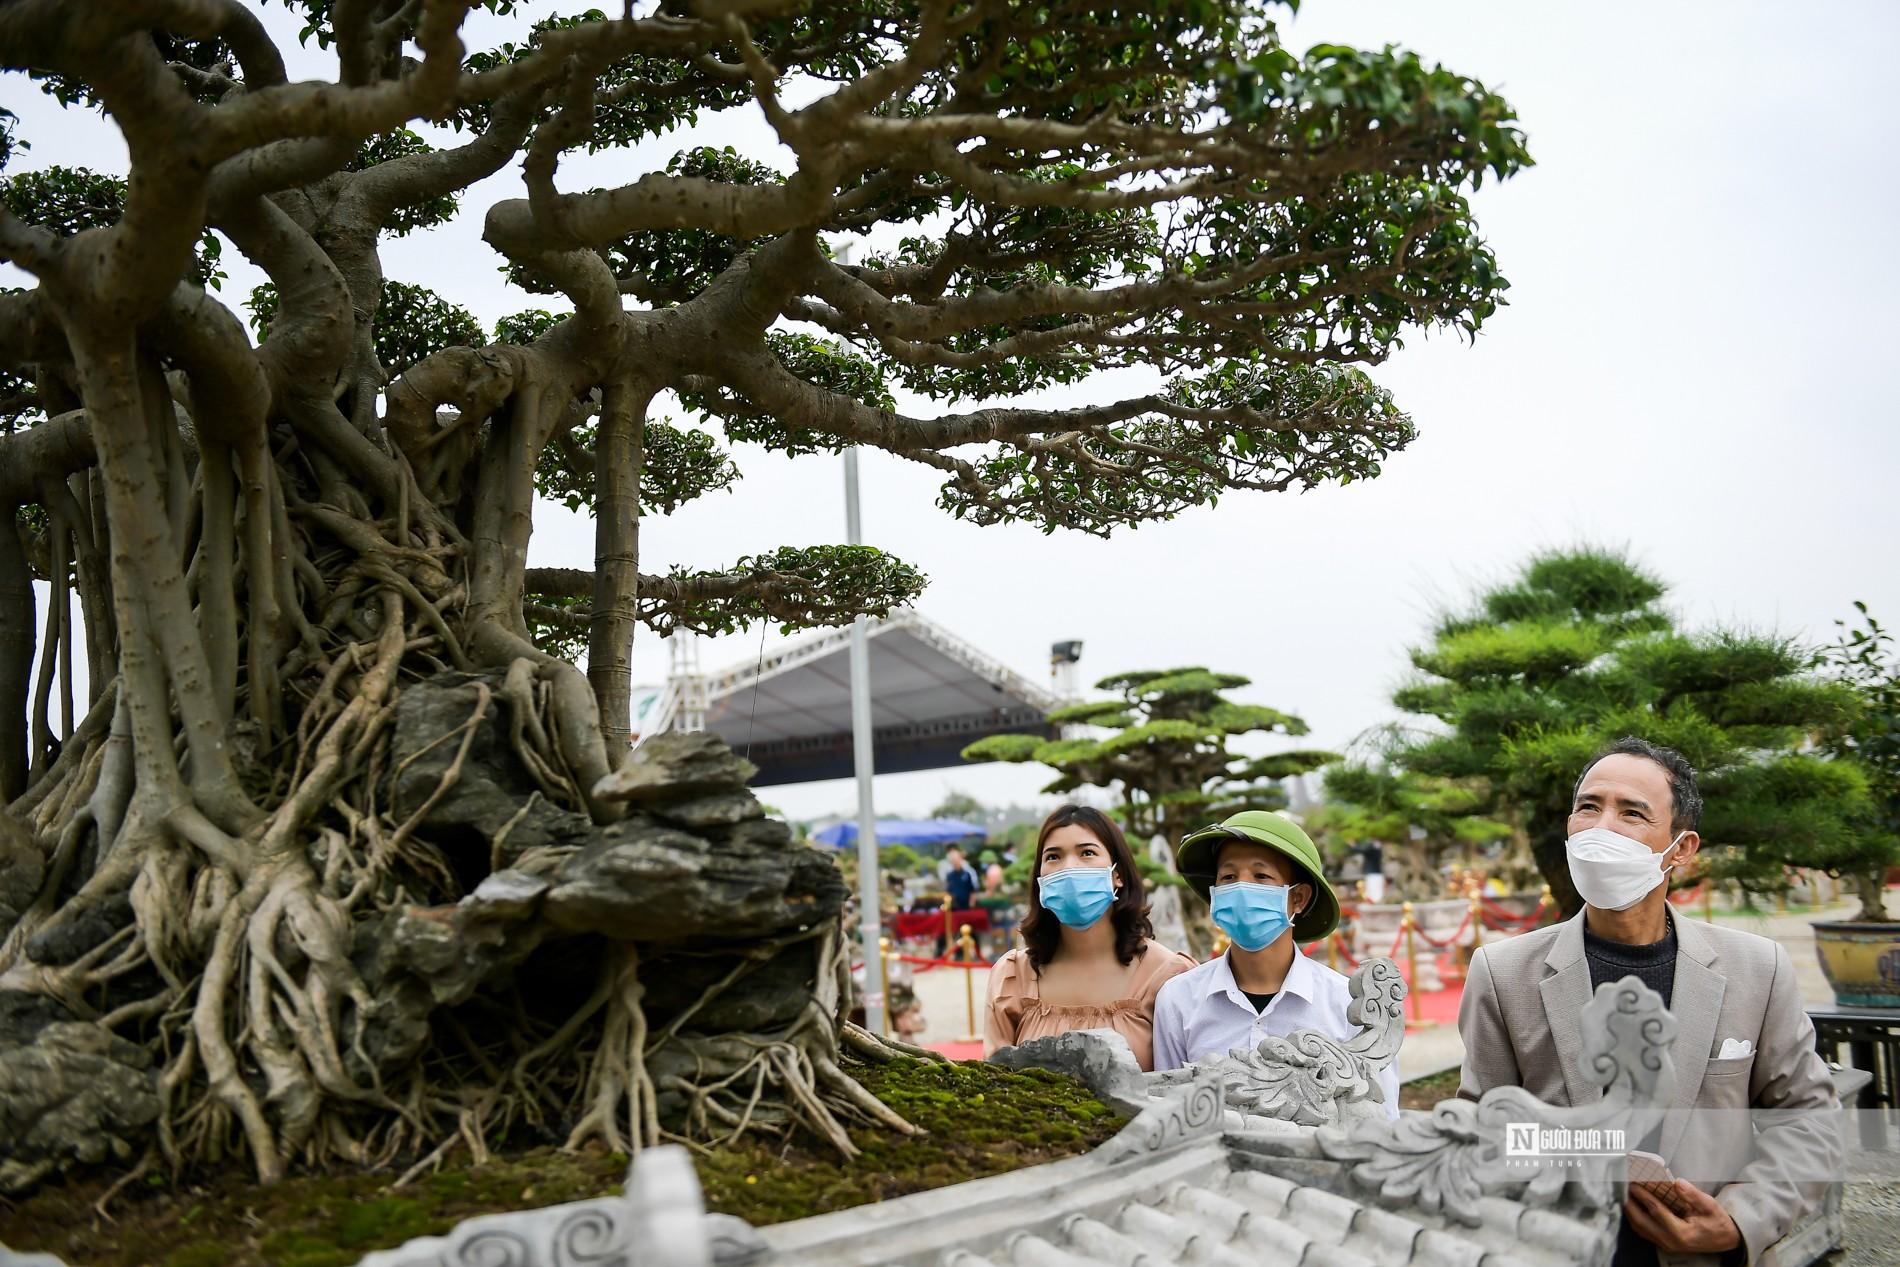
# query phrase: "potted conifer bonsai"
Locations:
[[1861, 956]]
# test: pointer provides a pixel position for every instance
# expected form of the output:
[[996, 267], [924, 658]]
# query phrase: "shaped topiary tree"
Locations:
[[1168, 757], [1576, 652]]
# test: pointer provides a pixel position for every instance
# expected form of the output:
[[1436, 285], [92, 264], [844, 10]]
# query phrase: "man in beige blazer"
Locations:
[[1743, 1041]]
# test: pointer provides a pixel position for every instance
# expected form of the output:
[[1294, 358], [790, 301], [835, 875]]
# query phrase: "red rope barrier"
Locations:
[[1500, 917], [1451, 940], [1345, 951], [925, 965], [1683, 897]]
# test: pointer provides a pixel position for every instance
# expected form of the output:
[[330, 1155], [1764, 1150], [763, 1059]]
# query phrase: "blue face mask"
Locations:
[[1078, 896], [1252, 915]]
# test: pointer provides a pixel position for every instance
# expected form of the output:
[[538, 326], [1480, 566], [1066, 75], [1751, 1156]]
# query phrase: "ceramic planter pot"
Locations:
[[1861, 960]]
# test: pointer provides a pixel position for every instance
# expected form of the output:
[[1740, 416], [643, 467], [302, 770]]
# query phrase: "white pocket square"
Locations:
[[1735, 1049]]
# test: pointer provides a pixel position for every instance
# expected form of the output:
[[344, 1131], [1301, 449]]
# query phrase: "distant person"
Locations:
[[1262, 879], [992, 872], [1743, 1039], [960, 880], [1089, 959]]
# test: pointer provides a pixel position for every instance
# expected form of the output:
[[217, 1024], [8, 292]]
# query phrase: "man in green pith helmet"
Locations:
[[1261, 877]]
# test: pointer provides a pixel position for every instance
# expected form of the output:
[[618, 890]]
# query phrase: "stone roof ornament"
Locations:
[[1182, 1118], [1449, 1160], [1310, 1078]]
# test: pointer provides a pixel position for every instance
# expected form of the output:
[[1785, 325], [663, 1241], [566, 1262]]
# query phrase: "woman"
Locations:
[[1089, 959]]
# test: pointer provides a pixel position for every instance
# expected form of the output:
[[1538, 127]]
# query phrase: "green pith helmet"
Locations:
[[1200, 852]]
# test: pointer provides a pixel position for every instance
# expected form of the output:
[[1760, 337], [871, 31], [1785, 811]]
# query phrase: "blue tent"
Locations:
[[902, 831]]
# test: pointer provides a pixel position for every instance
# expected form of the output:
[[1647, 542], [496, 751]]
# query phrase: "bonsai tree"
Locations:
[[1423, 822], [1864, 659], [1575, 652], [1168, 757], [334, 853]]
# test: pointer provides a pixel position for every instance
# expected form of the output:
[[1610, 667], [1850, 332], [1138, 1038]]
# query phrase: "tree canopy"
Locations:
[[1575, 652], [1168, 756], [1420, 821], [299, 543]]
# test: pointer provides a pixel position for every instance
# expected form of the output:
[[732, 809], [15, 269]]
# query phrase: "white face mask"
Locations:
[[1613, 872]]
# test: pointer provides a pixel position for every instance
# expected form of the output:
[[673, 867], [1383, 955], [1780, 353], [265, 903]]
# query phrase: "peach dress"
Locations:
[[1017, 1012]]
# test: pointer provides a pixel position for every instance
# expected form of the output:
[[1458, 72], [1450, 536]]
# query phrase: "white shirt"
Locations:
[[1203, 1013]]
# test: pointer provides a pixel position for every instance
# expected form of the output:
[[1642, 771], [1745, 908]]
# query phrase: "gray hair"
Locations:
[[1684, 793]]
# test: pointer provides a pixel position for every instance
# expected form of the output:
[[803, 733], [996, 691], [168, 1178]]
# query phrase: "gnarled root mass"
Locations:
[[429, 944]]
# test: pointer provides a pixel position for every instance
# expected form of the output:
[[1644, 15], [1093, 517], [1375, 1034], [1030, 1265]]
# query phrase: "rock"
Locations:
[[77, 1094], [416, 959], [659, 884], [772, 994], [675, 767], [720, 809], [22, 871], [78, 929], [493, 794], [1100, 1058], [23, 1015]]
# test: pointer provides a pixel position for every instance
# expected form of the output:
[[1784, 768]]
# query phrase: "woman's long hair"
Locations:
[[1042, 931]]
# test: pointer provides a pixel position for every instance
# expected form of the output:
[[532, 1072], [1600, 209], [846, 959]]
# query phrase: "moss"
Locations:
[[980, 1120], [204, 1254], [1423, 1093]]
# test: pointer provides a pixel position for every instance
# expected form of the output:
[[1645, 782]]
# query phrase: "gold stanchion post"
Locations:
[[949, 932], [1477, 917], [966, 946], [1332, 951], [1411, 956]]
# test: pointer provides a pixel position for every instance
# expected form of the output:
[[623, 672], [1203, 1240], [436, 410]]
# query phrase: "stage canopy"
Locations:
[[903, 831], [932, 695]]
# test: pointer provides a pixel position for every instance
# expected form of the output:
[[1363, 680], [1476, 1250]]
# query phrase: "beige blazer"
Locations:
[[1520, 1018]]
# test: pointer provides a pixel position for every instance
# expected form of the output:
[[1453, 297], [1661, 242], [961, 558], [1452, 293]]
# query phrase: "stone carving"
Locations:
[[1310, 1078], [660, 1222], [1195, 1113], [1447, 1161]]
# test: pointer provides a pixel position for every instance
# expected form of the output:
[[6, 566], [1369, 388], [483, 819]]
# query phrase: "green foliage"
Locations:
[[677, 466], [69, 200], [1168, 754], [1240, 427], [1421, 820], [1865, 662], [824, 363], [10, 142], [959, 805], [1543, 671], [900, 860], [808, 586], [525, 327], [411, 322]]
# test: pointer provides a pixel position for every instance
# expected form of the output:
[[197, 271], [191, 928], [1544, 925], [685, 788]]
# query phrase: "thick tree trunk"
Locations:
[[617, 460], [17, 634], [1553, 862]]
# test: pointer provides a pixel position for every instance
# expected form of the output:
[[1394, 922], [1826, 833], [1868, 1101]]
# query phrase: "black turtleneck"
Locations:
[[1654, 965]]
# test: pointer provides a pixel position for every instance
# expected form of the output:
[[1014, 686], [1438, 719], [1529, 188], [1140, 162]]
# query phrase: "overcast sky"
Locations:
[[1696, 364]]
